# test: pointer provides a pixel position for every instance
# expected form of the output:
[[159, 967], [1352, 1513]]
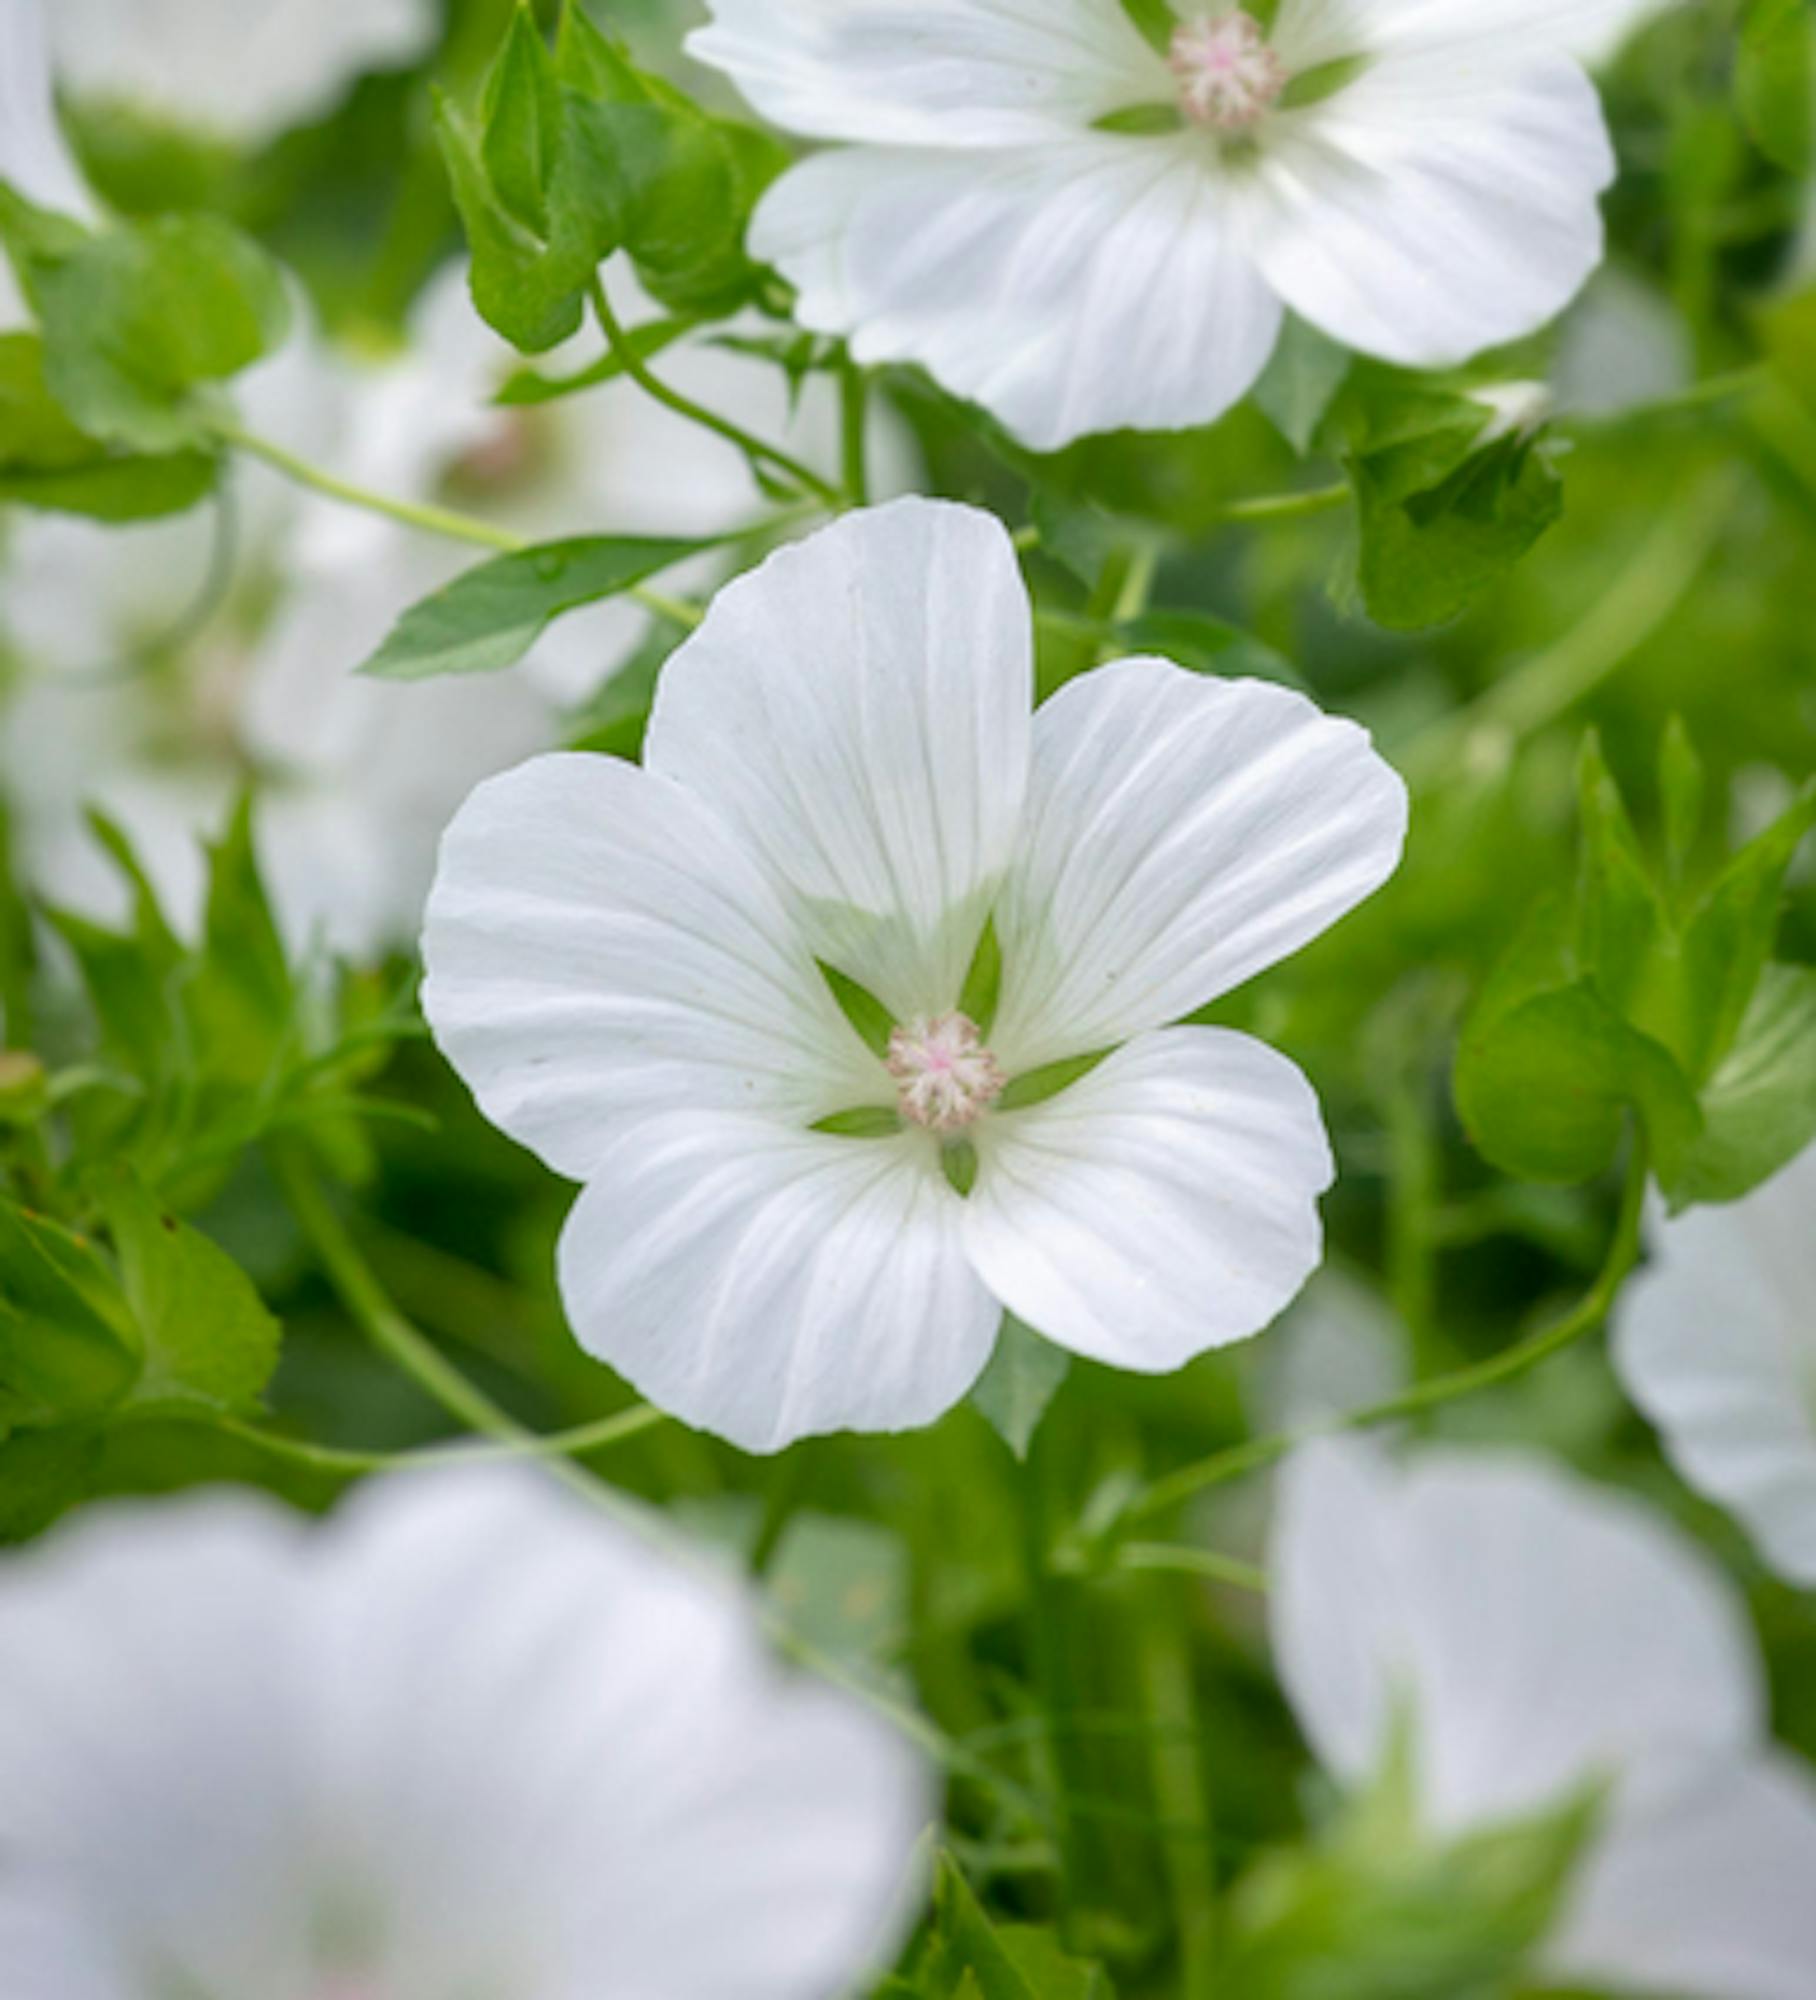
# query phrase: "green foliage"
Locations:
[[1024, 1375], [1775, 80], [577, 154], [1637, 994], [140, 319], [68, 1342], [1379, 1909], [970, 1958], [1302, 381], [491, 617], [47, 461]]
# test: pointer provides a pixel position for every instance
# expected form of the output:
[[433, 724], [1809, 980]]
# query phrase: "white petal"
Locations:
[[768, 1285], [1437, 205], [1309, 32], [1183, 834], [932, 72], [1165, 1204], [598, 946], [34, 156], [1716, 1342], [1097, 284], [572, 1762], [151, 1758], [54, 1946], [215, 64], [857, 713], [1548, 1634], [1710, 1895]]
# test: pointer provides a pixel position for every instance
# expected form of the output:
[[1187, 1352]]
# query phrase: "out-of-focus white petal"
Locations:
[[1710, 1894], [220, 67], [1513, 31], [857, 713], [148, 1763], [1716, 1342], [34, 155], [1164, 1204], [1093, 284], [768, 1285], [51, 1946], [932, 72], [1183, 833], [1339, 1350], [600, 946], [1623, 345], [1437, 205], [553, 1739], [1545, 1634]]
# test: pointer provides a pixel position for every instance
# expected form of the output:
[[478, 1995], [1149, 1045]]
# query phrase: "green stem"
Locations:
[[394, 1336], [442, 521], [1288, 506], [625, 352], [1583, 1319], [1186, 1561], [854, 431], [1180, 1775]]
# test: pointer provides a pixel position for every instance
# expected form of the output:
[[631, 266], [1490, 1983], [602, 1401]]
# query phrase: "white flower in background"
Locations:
[[1540, 1636], [1340, 1349], [1716, 1342], [1623, 345], [469, 1739], [229, 70], [841, 766], [1417, 178], [34, 156]]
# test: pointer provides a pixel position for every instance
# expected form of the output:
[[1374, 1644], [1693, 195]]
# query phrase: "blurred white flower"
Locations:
[[1622, 346], [1540, 1636], [1417, 178], [1716, 1342], [841, 766], [1340, 1349], [226, 69], [34, 156], [468, 1739]]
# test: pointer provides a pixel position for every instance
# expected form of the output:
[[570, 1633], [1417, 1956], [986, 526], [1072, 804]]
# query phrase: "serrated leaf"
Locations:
[[68, 1347], [207, 1337], [138, 318], [490, 617], [1759, 1109], [1018, 1386]]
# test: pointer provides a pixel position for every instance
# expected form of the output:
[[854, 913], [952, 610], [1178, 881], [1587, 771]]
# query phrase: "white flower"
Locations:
[[1716, 1342], [468, 1740], [34, 156], [841, 767], [1541, 1636], [242, 73], [1418, 180]]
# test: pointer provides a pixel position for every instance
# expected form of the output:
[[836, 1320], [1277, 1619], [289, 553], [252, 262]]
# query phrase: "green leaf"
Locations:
[[978, 997], [1425, 556], [1010, 1962], [1155, 19], [1205, 644], [139, 318], [1759, 1109], [42, 1473], [521, 123], [1301, 382], [867, 1014], [46, 461], [1023, 1377], [68, 1346], [207, 1336], [1775, 81], [1682, 787], [491, 616]]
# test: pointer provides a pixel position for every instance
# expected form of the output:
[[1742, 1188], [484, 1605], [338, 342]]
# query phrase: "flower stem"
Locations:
[[1288, 506], [625, 352], [442, 521], [1206, 1563], [1583, 1319]]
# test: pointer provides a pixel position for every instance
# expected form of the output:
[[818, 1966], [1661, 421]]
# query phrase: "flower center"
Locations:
[[945, 1078], [1229, 79]]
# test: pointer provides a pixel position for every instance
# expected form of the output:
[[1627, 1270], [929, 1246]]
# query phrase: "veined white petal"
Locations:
[[1708, 1895], [769, 1285], [1183, 833], [246, 74], [1716, 1342], [599, 946], [568, 1756], [933, 72], [1164, 1204], [1093, 284], [1308, 32], [1439, 204], [857, 714], [1545, 1634]]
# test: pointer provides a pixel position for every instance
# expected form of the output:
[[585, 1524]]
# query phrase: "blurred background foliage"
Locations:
[[1100, 1706]]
